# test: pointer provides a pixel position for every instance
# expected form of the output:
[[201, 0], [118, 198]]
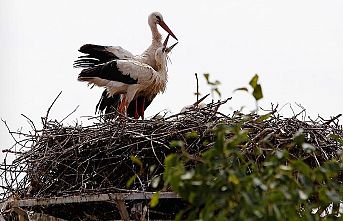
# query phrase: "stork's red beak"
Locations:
[[167, 29]]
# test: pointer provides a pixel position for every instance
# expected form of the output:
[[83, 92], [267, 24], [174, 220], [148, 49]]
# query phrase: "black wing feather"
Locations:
[[108, 71], [97, 63], [96, 54]]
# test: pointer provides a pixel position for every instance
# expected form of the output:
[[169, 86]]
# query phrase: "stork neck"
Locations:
[[162, 72], [162, 65], [156, 35]]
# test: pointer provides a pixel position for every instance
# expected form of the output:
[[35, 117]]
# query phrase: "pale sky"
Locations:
[[296, 47]]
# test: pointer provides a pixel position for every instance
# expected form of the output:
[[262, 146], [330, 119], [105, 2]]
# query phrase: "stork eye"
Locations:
[[158, 17]]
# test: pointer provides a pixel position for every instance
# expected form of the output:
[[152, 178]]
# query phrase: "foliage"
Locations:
[[227, 184], [213, 84], [256, 87], [256, 90], [230, 183]]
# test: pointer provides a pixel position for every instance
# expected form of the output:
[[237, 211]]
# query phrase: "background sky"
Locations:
[[296, 47]]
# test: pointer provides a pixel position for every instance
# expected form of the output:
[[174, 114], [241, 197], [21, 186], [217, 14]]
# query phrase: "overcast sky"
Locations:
[[295, 46]]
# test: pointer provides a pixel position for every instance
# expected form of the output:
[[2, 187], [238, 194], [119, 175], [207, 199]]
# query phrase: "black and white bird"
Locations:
[[96, 54], [131, 78]]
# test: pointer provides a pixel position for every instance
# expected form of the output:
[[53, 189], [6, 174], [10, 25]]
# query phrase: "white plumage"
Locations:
[[101, 54], [120, 52]]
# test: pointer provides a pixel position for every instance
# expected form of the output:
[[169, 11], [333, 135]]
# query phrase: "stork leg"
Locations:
[[136, 109], [142, 108], [123, 106]]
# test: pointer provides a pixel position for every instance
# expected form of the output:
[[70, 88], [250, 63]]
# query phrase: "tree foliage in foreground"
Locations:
[[230, 183], [225, 184]]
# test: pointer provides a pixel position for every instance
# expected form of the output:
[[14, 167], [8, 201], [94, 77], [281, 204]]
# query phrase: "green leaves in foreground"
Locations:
[[232, 183], [214, 84], [139, 163], [154, 200], [256, 87]]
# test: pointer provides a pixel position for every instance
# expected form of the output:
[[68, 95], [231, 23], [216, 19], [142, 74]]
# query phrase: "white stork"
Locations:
[[130, 77], [97, 54]]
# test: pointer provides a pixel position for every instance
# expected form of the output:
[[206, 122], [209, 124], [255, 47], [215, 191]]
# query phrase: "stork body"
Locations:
[[131, 78], [97, 54]]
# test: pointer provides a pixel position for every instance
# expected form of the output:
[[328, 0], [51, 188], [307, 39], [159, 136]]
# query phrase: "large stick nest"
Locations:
[[61, 160]]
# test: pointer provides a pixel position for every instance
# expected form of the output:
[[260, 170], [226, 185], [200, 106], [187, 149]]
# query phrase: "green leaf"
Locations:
[[285, 168], [323, 195], [233, 179], [253, 81], [259, 183], [337, 138], [302, 167], [174, 169], [207, 76], [154, 199], [217, 82], [262, 118], [319, 175], [176, 143], [257, 93], [333, 196], [136, 160], [218, 92], [281, 154], [299, 137], [247, 198], [241, 89], [331, 168], [130, 181], [308, 148], [258, 213], [192, 135]]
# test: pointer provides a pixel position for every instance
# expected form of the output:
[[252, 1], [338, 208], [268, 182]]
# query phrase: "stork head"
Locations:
[[162, 52], [157, 18]]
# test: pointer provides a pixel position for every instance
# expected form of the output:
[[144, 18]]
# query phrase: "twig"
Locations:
[[45, 120], [196, 77], [31, 122], [70, 113], [333, 119]]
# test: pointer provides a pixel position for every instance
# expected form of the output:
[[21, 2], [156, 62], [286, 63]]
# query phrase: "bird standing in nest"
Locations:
[[131, 79], [97, 54]]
